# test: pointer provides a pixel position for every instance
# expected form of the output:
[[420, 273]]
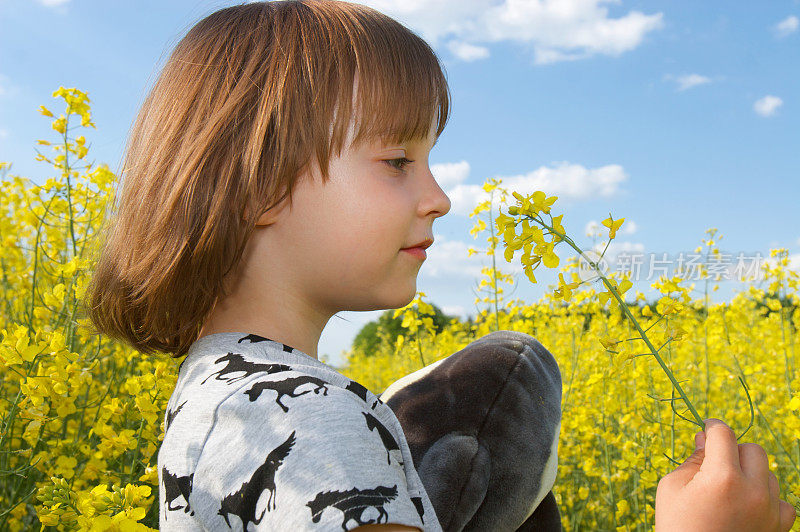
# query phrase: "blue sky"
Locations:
[[678, 116]]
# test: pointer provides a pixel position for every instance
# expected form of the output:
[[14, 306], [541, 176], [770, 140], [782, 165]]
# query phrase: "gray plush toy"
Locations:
[[483, 426]]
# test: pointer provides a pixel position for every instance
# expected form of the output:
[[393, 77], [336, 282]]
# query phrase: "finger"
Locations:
[[754, 462], [722, 449], [788, 515], [685, 472], [700, 440], [774, 488]]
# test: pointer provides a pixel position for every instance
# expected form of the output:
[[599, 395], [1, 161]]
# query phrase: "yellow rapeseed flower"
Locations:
[[608, 342], [564, 290], [60, 124], [613, 226], [794, 403], [541, 202], [557, 224]]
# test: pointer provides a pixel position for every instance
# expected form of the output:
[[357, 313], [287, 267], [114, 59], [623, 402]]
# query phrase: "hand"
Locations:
[[722, 486]]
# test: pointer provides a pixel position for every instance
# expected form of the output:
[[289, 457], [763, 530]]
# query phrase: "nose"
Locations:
[[436, 200]]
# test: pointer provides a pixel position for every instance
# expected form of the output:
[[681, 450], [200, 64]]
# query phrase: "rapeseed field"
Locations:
[[83, 415]]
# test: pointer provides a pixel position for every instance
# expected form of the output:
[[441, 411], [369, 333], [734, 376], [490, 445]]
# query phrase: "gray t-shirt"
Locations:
[[261, 436]]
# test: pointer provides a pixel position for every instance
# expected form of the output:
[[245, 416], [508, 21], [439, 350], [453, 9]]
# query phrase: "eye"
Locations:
[[400, 163]]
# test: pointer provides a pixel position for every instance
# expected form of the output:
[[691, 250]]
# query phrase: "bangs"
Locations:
[[394, 79]]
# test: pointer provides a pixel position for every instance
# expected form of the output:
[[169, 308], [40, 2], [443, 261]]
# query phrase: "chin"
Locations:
[[393, 295], [400, 299], [410, 295]]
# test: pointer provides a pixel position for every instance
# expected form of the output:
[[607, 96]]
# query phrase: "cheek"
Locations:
[[360, 219]]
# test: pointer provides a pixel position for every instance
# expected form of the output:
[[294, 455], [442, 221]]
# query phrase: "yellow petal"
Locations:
[[550, 260]]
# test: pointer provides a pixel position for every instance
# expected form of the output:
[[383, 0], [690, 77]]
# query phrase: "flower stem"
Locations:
[[633, 320]]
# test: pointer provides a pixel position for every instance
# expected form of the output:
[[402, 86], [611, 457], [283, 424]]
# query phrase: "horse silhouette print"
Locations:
[[386, 437], [236, 363], [242, 503], [361, 391], [287, 387]]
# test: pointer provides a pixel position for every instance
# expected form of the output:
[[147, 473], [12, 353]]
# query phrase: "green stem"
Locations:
[[606, 462], [135, 453], [494, 264], [627, 312], [705, 345], [419, 344], [763, 418], [572, 373]]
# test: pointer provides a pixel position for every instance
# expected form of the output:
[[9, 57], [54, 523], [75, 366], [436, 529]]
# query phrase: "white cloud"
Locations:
[[688, 81], [786, 26], [798, 241], [628, 228], [467, 52], [3, 133], [767, 105], [572, 181], [434, 20], [565, 180], [53, 3], [450, 259], [567, 29], [546, 56], [449, 174], [556, 30], [593, 229], [455, 310]]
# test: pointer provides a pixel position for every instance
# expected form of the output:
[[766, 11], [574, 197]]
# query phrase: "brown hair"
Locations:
[[244, 101]]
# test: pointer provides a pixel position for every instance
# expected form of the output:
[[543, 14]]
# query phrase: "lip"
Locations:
[[425, 244], [418, 252]]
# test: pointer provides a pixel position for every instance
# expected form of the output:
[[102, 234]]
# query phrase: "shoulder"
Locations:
[[291, 369], [296, 446], [325, 418], [289, 391]]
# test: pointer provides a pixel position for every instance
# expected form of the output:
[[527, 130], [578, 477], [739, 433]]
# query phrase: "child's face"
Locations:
[[339, 245]]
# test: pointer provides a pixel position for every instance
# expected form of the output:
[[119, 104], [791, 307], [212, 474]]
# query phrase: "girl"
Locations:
[[276, 174]]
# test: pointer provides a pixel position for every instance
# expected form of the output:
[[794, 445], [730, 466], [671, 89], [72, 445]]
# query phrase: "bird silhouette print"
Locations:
[[171, 416], [174, 487], [242, 503], [418, 505]]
